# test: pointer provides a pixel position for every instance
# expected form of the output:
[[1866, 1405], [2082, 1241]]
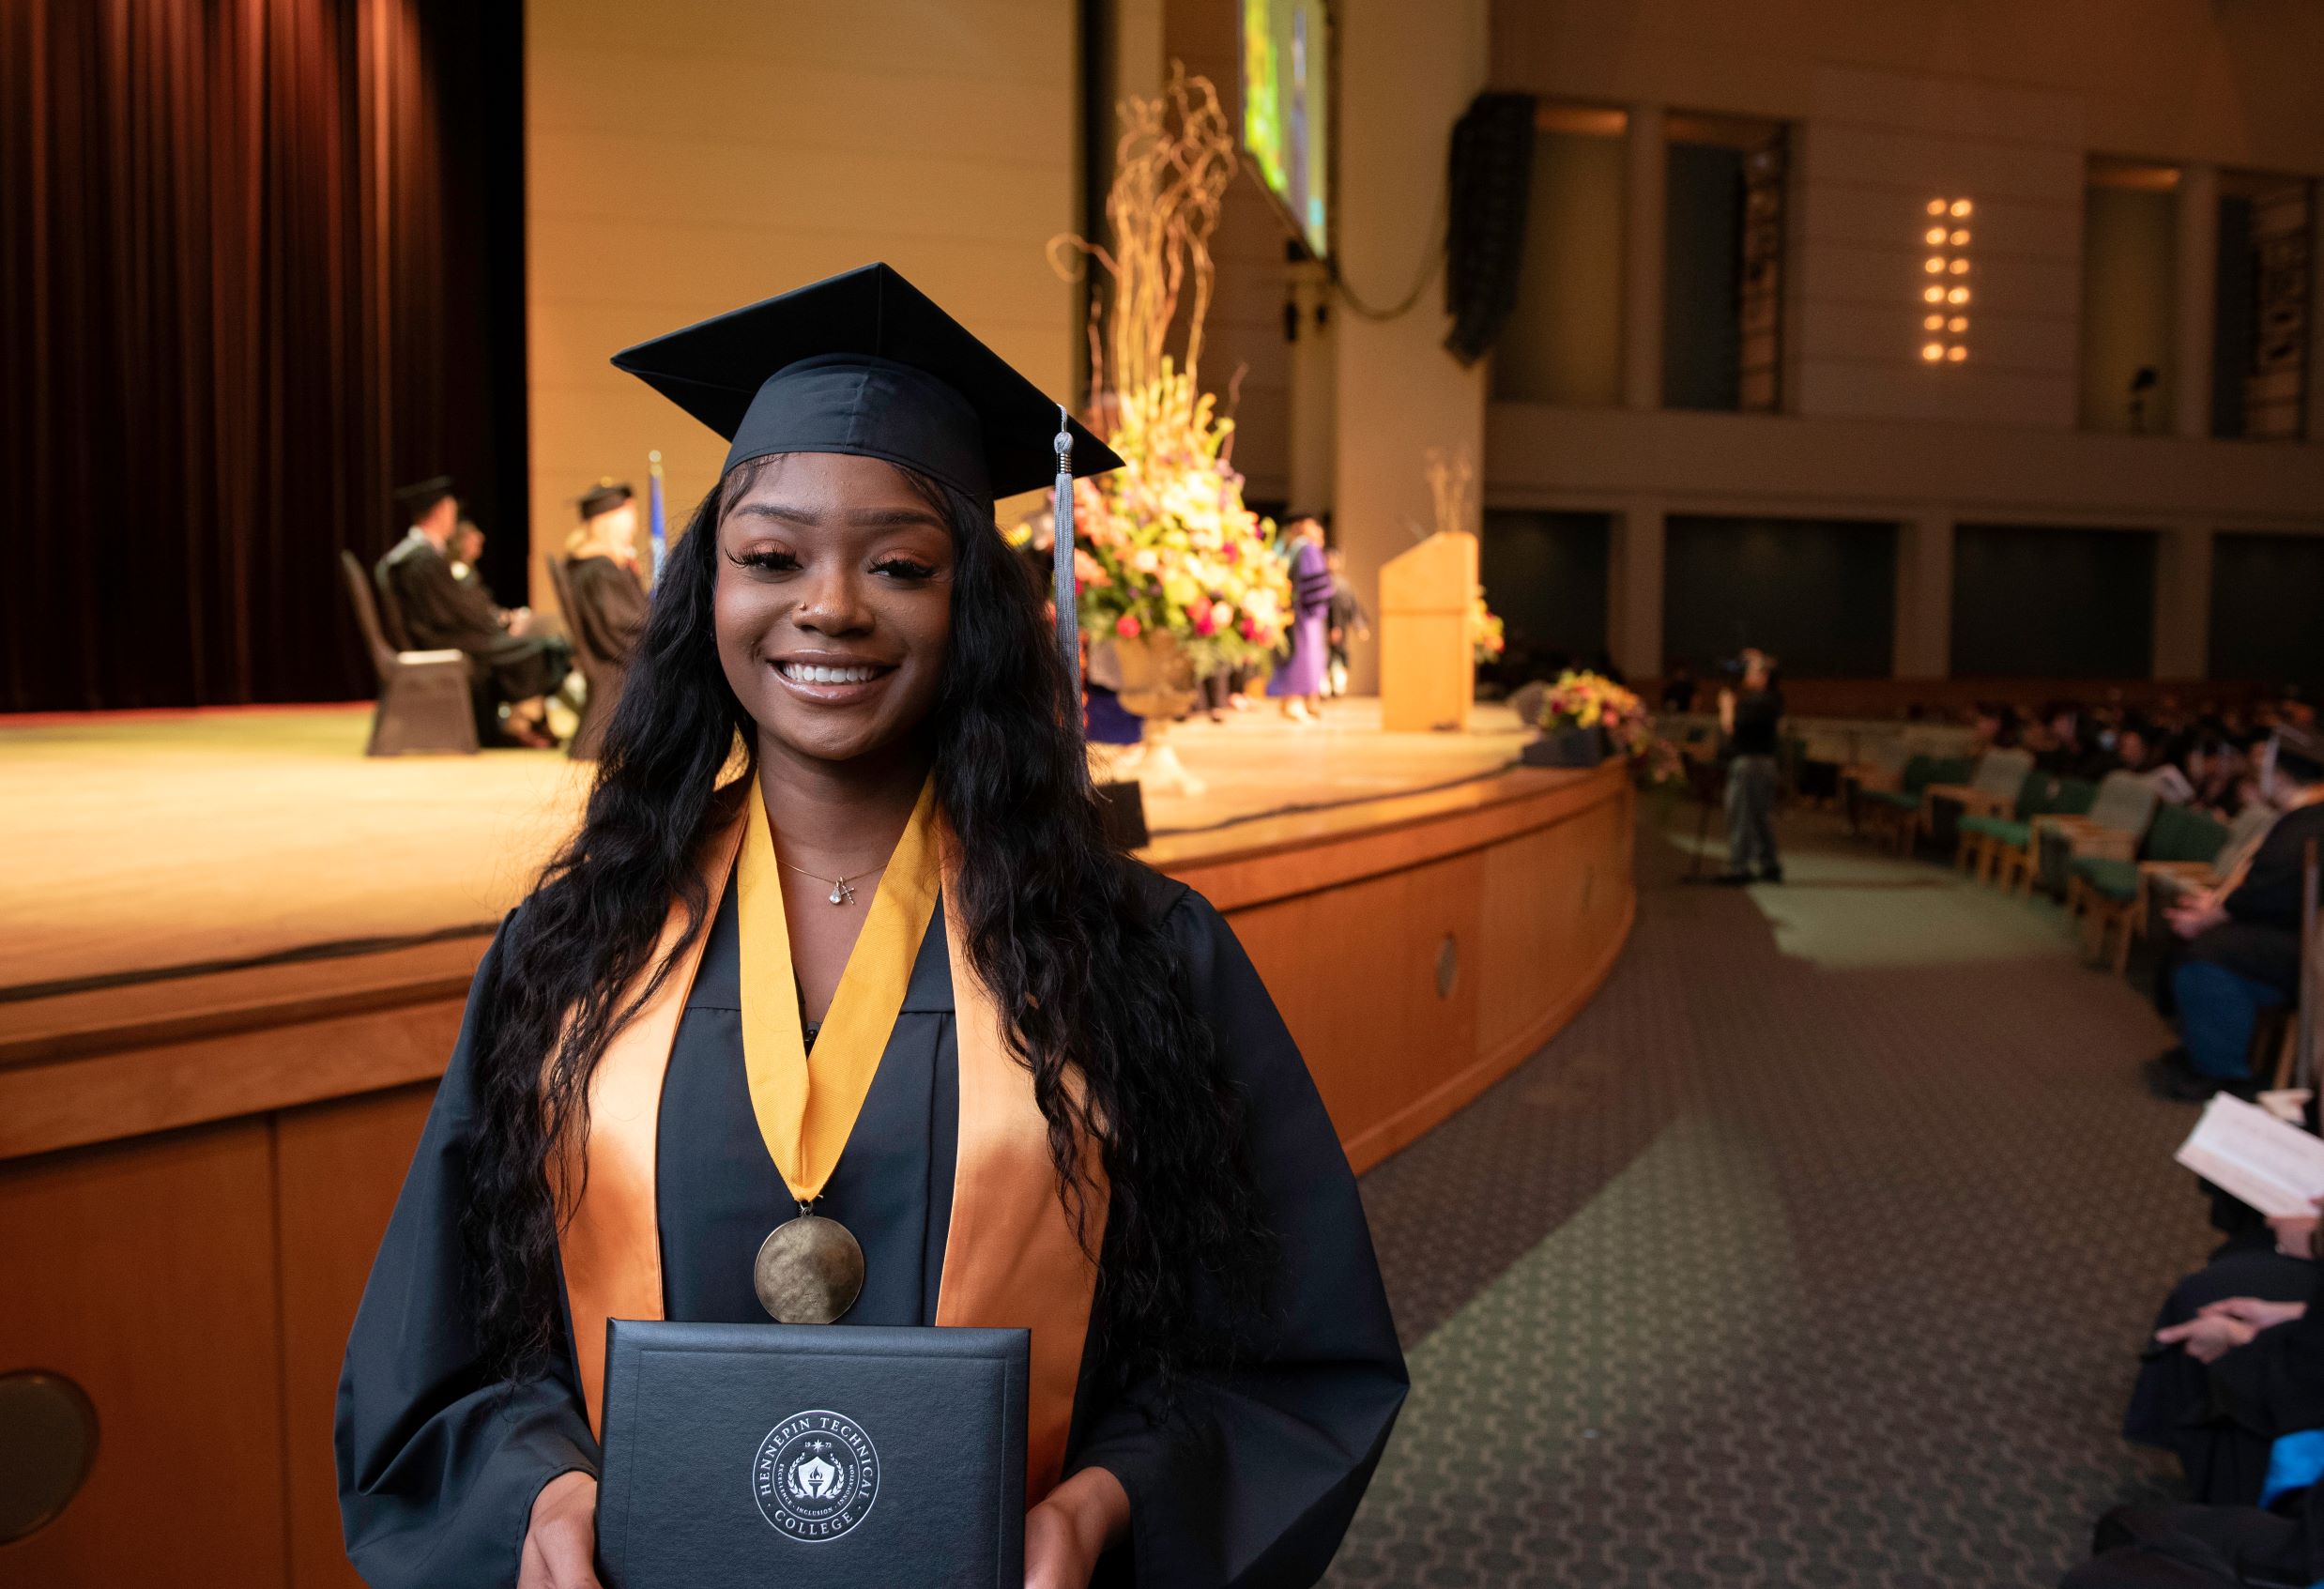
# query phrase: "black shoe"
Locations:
[[2173, 1075], [1772, 875], [1733, 879]]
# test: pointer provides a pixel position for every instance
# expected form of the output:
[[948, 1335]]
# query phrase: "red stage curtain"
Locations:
[[248, 256]]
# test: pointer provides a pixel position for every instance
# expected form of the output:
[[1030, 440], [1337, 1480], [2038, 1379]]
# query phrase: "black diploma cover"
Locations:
[[814, 1456]]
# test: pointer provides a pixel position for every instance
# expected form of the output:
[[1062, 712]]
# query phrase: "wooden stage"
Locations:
[[233, 954]]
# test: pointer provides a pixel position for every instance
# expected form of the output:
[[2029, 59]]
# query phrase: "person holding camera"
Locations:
[[1748, 717]]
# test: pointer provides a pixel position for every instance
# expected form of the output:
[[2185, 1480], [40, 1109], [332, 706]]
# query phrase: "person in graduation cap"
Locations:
[[509, 663], [601, 567], [1047, 1090]]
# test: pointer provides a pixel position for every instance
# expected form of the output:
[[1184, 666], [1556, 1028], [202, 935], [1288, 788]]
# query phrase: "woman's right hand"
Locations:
[[560, 1545]]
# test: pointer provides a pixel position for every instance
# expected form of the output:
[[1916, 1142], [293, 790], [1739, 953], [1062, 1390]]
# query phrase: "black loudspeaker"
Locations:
[[1490, 181]]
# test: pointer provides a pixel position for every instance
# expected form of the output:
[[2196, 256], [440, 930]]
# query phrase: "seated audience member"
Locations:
[[2263, 1275], [601, 567], [2239, 949], [508, 663]]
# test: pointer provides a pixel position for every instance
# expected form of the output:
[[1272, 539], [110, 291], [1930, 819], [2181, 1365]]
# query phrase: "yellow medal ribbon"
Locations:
[[807, 1120]]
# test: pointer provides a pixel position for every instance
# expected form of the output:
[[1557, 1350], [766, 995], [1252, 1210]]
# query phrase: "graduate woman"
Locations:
[[839, 1008]]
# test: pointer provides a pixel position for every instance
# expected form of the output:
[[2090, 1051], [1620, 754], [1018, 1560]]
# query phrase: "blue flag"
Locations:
[[656, 526]]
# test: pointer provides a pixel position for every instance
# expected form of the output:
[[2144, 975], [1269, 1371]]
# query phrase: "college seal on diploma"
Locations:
[[812, 1456], [815, 1474]]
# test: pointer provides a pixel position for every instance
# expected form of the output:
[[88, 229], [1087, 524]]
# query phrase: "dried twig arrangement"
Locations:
[[1452, 482], [1171, 168]]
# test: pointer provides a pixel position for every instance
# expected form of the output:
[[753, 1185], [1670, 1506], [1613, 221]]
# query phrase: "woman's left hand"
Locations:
[[1066, 1533]]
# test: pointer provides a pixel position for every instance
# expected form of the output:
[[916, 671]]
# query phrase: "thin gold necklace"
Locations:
[[841, 894]]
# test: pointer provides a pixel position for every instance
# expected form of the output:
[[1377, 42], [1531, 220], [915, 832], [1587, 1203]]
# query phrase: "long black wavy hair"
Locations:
[[1057, 923]]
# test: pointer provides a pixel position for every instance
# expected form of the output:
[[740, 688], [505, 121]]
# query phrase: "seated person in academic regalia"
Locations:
[[2254, 1446], [601, 567], [1049, 1086], [508, 663], [468, 550], [2263, 1275], [2238, 946]]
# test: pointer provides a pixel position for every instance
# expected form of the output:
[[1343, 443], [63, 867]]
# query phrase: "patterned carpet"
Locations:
[[1816, 1251]]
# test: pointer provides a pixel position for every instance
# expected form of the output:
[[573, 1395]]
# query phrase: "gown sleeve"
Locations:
[[1253, 1479], [438, 1463]]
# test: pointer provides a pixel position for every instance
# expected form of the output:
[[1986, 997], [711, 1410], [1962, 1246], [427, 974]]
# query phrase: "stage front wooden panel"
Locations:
[[194, 1174]]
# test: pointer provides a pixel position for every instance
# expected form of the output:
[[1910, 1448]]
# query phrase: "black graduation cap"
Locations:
[[864, 364], [420, 498], [603, 498]]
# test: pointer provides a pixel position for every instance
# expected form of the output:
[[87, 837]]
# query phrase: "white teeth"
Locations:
[[814, 673]]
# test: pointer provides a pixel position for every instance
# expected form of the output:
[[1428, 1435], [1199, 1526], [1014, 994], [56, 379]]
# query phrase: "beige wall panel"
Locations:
[[1412, 69], [2035, 289], [1598, 460], [1889, 332], [875, 111], [1905, 390], [689, 156], [2175, 79], [1854, 155], [2050, 228], [1007, 42], [145, 1272]]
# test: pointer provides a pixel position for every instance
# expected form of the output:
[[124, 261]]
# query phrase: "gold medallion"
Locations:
[[810, 1271]]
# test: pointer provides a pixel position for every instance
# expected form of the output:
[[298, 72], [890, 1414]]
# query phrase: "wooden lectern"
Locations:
[[1427, 668]]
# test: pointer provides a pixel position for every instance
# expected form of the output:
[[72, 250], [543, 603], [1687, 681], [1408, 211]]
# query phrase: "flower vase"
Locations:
[[1158, 684]]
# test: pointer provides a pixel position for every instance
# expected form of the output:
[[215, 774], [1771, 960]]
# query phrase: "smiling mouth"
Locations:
[[826, 673]]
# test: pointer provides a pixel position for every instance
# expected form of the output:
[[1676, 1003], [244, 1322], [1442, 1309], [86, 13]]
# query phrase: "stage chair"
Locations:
[[599, 672], [424, 705]]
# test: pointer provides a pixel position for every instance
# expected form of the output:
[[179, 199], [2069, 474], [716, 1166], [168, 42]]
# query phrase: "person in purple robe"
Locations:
[[1298, 680]]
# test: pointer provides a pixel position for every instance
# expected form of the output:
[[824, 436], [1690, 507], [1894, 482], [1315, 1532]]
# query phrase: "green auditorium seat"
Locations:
[[1990, 792], [2045, 797], [1894, 815], [2116, 825], [2109, 892]]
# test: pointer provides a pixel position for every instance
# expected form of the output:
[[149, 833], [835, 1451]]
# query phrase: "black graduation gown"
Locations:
[[610, 607], [1252, 1482], [2260, 939], [440, 612]]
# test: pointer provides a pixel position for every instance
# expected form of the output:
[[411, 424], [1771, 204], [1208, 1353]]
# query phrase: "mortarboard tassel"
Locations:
[[1068, 616]]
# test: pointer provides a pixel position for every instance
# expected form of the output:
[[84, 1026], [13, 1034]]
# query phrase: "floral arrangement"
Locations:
[[1487, 637], [1591, 701], [1166, 547], [1170, 547]]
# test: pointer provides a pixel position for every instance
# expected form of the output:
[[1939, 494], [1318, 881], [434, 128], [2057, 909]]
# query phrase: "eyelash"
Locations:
[[783, 562]]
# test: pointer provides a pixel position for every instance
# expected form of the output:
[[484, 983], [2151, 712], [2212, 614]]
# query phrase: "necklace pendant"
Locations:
[[841, 894]]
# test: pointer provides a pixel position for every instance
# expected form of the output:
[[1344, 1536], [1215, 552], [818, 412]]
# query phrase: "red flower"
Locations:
[[1126, 626]]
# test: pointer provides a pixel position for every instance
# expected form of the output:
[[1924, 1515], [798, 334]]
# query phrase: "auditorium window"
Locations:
[[1723, 263], [2259, 374], [1546, 576], [1820, 593], [2052, 602], [1563, 341], [2129, 269]]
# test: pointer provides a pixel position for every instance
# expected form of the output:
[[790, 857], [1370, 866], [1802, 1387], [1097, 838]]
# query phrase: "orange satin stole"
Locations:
[[1012, 1259]]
